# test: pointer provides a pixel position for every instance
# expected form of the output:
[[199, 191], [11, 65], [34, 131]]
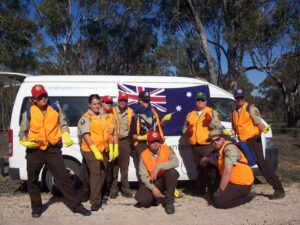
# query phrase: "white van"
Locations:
[[168, 94]]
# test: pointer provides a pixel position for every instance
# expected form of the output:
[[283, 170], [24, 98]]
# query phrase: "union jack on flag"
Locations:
[[157, 95], [179, 101]]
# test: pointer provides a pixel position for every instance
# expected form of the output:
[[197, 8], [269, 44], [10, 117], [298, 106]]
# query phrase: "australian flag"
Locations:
[[179, 101]]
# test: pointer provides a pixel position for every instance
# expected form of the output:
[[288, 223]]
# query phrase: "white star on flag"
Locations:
[[188, 94], [178, 108]]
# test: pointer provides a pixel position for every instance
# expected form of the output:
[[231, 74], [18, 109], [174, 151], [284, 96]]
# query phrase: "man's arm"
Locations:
[[172, 163], [62, 120], [255, 115], [216, 121], [145, 176], [24, 126], [226, 177]]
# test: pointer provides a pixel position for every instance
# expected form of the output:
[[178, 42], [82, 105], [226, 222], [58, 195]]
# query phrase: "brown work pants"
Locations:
[[54, 162], [166, 184], [136, 154], [233, 195], [93, 176], [267, 172], [208, 176], [122, 163]]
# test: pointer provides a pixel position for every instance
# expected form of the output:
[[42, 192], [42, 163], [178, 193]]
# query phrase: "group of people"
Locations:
[[110, 135]]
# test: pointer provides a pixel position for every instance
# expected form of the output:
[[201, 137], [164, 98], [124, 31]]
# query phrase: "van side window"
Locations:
[[73, 107], [224, 106]]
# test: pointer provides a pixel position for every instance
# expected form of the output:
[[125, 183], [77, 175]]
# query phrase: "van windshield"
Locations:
[[224, 106]]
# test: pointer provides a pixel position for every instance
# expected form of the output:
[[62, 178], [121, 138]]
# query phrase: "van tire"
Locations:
[[74, 173]]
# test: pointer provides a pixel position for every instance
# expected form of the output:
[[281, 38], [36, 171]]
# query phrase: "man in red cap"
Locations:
[[158, 174], [42, 128], [123, 115]]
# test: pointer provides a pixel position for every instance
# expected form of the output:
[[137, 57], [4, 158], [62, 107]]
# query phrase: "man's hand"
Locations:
[[156, 193], [154, 174], [67, 139], [29, 144], [229, 132], [111, 153], [207, 118], [98, 155], [189, 131], [142, 137], [204, 161], [267, 129], [167, 117], [116, 151]]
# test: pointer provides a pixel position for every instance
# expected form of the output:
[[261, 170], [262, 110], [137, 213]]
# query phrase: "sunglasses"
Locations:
[[201, 100], [123, 100], [239, 98], [41, 97], [156, 141], [108, 103], [216, 140]]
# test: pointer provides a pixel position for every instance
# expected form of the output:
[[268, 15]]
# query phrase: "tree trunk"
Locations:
[[203, 39]]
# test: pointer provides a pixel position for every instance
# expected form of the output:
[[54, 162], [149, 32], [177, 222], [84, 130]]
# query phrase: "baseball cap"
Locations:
[[107, 98], [153, 136], [144, 96], [38, 90], [123, 96], [239, 93], [215, 134], [201, 95]]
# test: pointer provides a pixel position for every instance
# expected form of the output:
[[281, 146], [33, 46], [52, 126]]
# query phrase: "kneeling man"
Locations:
[[158, 174], [236, 175]]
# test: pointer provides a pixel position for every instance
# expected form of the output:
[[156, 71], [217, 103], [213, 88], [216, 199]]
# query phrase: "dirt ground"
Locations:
[[190, 210]]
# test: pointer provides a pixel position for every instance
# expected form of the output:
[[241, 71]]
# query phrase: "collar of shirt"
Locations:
[[156, 155], [91, 112], [119, 111]]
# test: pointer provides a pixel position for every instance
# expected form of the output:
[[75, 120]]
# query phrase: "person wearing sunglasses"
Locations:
[[247, 124], [43, 127], [236, 175], [158, 174], [198, 124]]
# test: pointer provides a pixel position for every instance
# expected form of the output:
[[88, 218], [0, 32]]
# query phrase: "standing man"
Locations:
[[123, 115], [146, 119], [42, 128], [94, 145], [158, 174], [248, 125], [236, 175], [198, 124]]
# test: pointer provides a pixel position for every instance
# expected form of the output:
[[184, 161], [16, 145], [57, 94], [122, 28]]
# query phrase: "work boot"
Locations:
[[36, 212], [113, 194], [278, 194], [95, 207], [170, 209], [104, 199], [127, 194], [83, 211]]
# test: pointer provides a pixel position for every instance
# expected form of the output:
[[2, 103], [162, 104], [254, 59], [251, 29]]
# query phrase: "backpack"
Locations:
[[247, 151]]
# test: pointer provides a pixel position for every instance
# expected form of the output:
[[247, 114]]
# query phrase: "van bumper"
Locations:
[[14, 173]]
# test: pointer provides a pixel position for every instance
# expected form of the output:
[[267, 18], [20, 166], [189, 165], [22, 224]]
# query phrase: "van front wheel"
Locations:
[[73, 169]]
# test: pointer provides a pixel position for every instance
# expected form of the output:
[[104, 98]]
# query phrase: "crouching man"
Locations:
[[236, 175], [158, 174]]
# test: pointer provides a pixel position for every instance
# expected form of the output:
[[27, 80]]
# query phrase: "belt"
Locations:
[[123, 138]]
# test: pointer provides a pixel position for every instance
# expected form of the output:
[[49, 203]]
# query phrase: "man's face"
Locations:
[[240, 101], [154, 146], [122, 104], [95, 106], [41, 101], [107, 106], [218, 142], [201, 104]]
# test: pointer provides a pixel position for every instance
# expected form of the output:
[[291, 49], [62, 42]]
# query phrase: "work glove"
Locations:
[[178, 194], [229, 132], [67, 139], [98, 155], [29, 144], [111, 153], [116, 150], [207, 118], [167, 117], [142, 137], [189, 131], [267, 129]]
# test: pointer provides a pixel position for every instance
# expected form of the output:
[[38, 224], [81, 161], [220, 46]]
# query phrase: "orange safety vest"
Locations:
[[101, 130], [44, 127], [243, 124], [129, 118], [241, 173], [150, 162], [158, 124], [200, 128]]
